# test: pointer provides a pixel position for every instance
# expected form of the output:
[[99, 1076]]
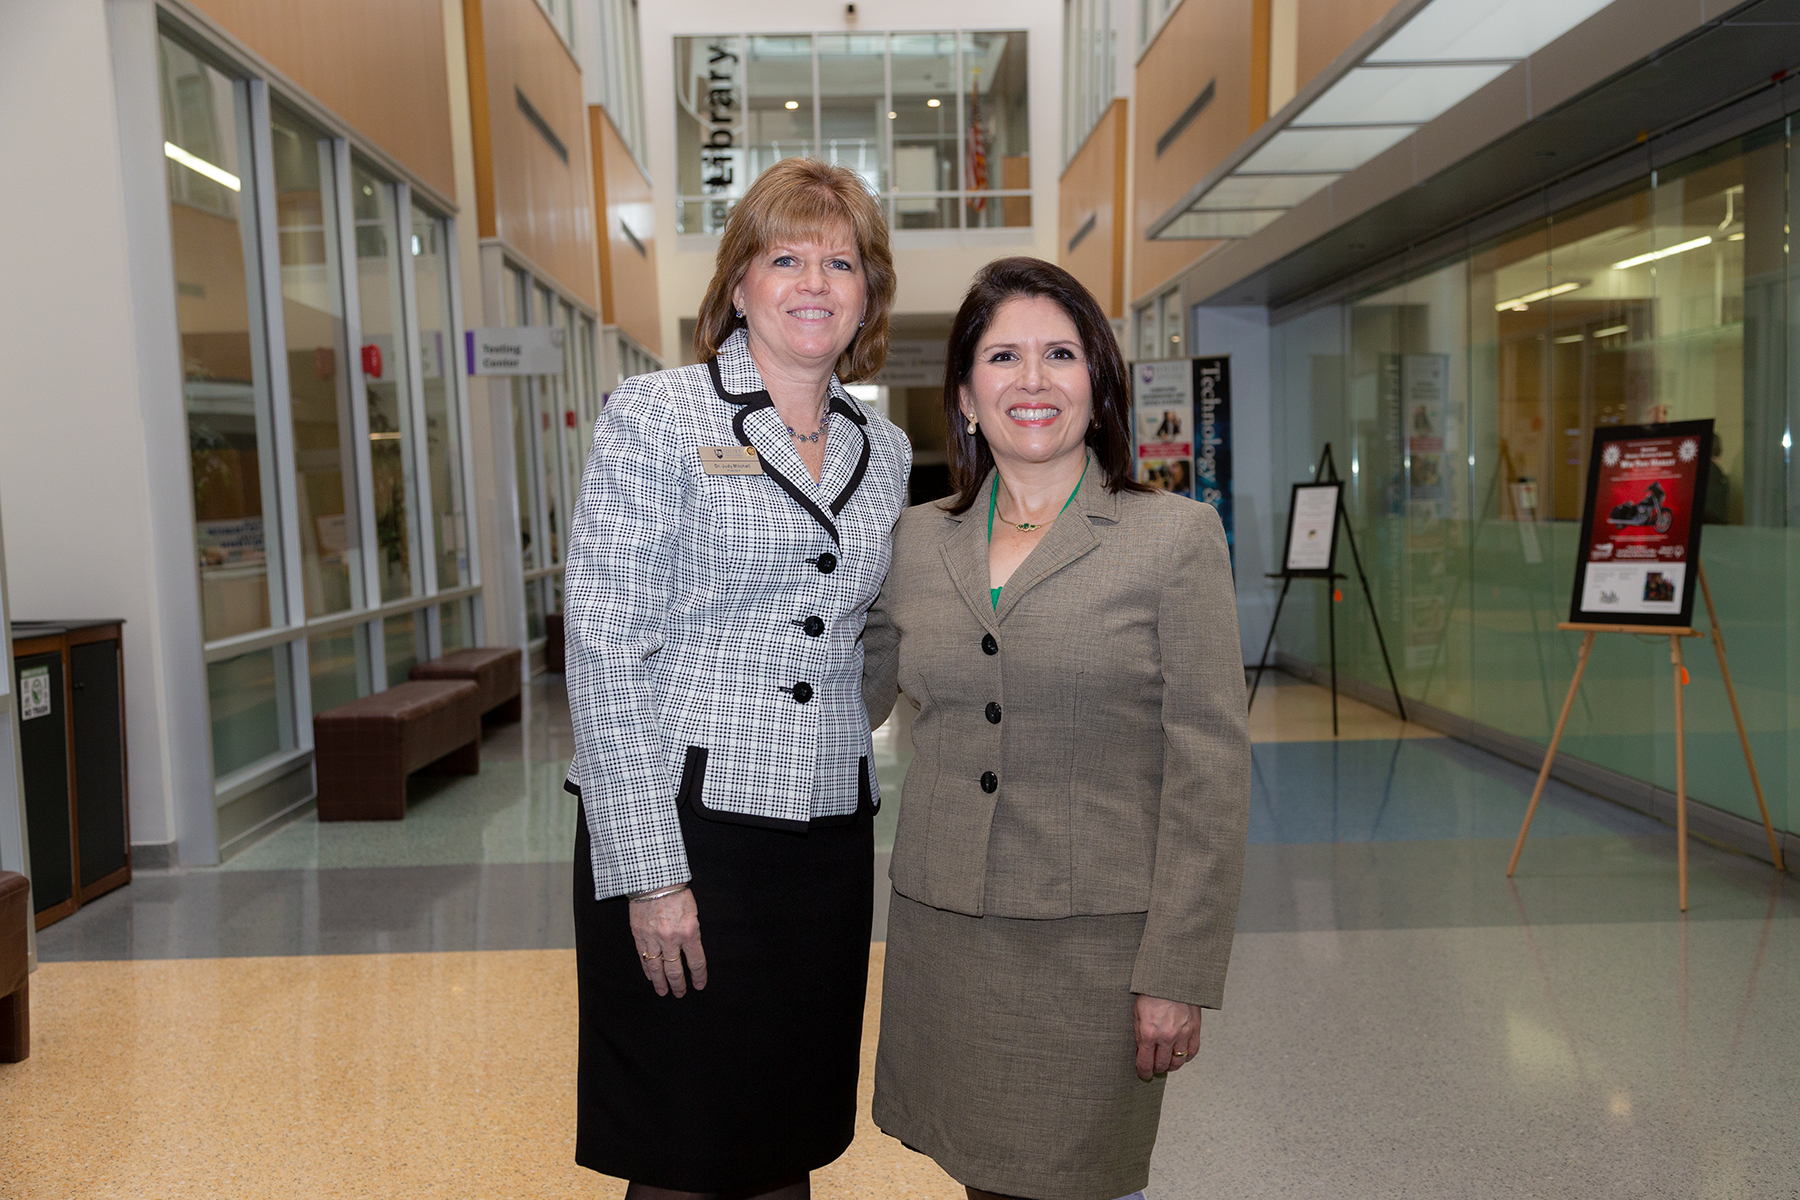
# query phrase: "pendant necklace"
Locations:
[[1027, 526]]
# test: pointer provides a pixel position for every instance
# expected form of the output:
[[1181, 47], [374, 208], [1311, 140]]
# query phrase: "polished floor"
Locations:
[[388, 1010]]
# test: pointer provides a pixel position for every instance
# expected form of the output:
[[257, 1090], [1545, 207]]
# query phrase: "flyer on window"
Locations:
[[1182, 429], [1640, 528]]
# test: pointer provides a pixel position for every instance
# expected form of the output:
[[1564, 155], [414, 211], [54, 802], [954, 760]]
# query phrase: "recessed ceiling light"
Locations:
[[892, 115], [1520, 303], [1655, 255], [933, 102], [793, 104], [1612, 330]]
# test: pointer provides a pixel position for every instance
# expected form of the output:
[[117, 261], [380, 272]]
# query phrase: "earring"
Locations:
[[971, 422], [740, 313]]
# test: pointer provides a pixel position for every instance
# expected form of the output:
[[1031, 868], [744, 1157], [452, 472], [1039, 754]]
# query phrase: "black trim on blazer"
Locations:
[[865, 800], [749, 402]]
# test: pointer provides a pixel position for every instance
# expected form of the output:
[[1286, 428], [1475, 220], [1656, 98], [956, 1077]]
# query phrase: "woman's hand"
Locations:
[[1168, 1035], [665, 930]]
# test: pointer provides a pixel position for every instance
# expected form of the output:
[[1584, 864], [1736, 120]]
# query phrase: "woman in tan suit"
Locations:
[[1071, 837]]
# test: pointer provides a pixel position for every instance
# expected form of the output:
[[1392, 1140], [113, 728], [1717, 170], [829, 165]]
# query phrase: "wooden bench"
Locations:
[[494, 669], [364, 750], [15, 981]]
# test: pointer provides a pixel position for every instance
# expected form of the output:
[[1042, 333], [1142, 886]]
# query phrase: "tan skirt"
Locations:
[[1007, 1052]]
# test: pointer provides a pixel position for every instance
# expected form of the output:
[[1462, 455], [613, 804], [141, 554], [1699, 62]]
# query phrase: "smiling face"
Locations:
[[803, 301], [1029, 387]]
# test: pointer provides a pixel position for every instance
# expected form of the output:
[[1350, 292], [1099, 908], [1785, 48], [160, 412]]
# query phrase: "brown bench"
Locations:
[[15, 982], [364, 750], [495, 669]]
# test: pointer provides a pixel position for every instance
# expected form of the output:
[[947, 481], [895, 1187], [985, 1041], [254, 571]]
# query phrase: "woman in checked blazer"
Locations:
[[734, 525], [1071, 838]]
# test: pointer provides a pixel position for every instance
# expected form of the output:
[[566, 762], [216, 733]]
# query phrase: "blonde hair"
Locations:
[[799, 200]]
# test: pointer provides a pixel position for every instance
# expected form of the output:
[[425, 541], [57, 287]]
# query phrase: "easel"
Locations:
[[1330, 577], [1674, 633]]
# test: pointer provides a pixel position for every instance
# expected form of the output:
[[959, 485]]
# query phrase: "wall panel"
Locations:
[[1093, 187], [623, 201], [378, 64], [531, 195], [1326, 28], [1204, 41]]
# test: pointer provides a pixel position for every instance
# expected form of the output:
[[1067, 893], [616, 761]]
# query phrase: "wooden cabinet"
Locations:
[[70, 678]]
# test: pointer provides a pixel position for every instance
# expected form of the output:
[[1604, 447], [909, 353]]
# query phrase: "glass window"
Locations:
[[853, 104], [383, 363], [212, 228], [403, 640], [456, 624], [547, 422], [339, 667], [997, 141], [710, 169], [779, 100], [318, 373], [251, 701], [925, 129], [437, 371], [568, 420]]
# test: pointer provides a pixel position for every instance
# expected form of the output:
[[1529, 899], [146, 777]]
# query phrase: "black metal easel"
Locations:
[[1330, 576]]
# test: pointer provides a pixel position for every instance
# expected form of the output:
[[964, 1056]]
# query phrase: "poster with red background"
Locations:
[[1640, 529]]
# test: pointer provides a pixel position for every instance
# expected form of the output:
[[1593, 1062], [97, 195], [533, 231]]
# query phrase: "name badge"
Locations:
[[730, 460]]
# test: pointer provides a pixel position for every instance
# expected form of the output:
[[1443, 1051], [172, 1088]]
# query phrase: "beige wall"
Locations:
[[1094, 185], [622, 196], [1325, 29], [527, 196], [1203, 40], [377, 64]]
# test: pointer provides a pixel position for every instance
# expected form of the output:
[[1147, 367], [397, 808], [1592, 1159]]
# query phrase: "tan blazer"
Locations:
[[1084, 749]]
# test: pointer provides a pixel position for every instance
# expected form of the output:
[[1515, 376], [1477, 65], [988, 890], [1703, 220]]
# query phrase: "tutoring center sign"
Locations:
[[1182, 427], [1640, 526]]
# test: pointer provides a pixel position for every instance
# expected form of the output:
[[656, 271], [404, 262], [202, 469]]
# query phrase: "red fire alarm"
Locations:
[[569, 419], [372, 360]]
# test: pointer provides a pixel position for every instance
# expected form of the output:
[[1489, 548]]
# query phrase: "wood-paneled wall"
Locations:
[[1093, 186], [1204, 41], [378, 64], [1324, 29], [623, 200], [526, 193]]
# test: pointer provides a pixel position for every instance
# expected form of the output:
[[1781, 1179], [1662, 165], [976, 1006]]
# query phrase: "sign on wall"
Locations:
[[1182, 427], [913, 364], [515, 350], [1640, 525]]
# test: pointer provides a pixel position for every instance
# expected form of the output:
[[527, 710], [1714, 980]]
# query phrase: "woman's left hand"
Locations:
[[1168, 1035]]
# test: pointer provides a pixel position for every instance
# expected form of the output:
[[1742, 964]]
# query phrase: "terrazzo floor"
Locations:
[[388, 1010]]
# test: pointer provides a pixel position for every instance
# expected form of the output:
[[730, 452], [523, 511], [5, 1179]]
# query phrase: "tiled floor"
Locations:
[[388, 1010]]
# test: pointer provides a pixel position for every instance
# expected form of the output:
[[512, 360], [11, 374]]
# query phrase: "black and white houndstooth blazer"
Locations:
[[715, 621]]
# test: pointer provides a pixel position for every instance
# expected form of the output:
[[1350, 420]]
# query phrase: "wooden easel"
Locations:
[[1674, 633]]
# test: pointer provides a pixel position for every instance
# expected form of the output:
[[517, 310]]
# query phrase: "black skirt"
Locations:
[[753, 1080]]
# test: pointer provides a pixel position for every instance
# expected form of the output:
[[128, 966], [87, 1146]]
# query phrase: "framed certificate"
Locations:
[[1640, 525], [1312, 530]]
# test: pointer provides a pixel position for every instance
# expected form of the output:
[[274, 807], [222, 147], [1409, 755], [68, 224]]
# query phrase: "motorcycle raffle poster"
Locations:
[[1640, 527]]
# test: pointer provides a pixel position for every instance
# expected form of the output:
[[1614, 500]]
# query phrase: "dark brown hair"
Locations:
[[801, 199], [995, 284]]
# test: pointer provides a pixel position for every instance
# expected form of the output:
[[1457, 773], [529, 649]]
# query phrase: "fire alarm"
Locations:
[[371, 356]]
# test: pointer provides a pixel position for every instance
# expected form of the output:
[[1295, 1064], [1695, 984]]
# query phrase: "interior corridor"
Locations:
[[389, 1009]]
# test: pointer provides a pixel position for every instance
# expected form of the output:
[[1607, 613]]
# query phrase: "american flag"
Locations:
[[977, 165]]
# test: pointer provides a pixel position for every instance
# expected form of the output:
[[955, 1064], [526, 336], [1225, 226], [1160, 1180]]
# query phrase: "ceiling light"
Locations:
[[933, 102], [1519, 303], [892, 115], [1654, 255], [384, 437], [1612, 330], [1571, 339], [1736, 237], [200, 165], [793, 104]]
